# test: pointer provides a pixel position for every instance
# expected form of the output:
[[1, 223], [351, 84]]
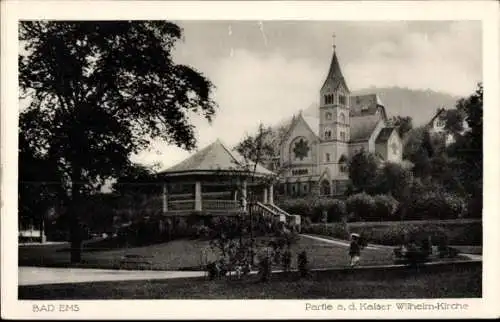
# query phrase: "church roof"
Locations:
[[362, 127], [216, 157], [365, 104], [384, 135], [334, 76], [313, 122]]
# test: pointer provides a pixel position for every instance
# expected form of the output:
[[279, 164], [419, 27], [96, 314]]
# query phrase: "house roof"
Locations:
[[334, 76], [438, 113], [216, 157], [384, 135]]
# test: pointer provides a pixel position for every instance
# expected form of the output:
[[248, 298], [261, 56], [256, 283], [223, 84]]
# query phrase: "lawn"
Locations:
[[448, 281], [186, 254]]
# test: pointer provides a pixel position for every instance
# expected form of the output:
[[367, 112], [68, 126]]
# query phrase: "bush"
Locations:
[[398, 233], [335, 209], [435, 205], [384, 207], [360, 206], [299, 206]]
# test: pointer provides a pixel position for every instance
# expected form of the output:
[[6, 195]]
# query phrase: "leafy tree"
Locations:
[[363, 167], [468, 147], [454, 121], [38, 185], [402, 123], [394, 179], [100, 91], [418, 149], [258, 148]]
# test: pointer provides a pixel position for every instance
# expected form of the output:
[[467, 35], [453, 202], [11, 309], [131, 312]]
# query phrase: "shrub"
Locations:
[[436, 205], [298, 206], [335, 209], [359, 206], [384, 207]]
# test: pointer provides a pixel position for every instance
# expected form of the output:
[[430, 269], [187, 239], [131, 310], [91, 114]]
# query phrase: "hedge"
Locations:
[[457, 232], [435, 205]]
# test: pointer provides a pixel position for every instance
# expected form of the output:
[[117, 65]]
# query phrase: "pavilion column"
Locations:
[[197, 196], [264, 201], [244, 194], [271, 194], [165, 199]]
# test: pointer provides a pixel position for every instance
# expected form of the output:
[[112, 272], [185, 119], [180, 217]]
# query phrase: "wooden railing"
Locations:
[[294, 219], [258, 207], [177, 205], [217, 204]]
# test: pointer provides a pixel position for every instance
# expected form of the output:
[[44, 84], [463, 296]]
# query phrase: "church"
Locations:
[[315, 149]]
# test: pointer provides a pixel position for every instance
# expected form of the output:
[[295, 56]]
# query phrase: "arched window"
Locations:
[[342, 136], [328, 134], [327, 157], [325, 99], [342, 118], [325, 187], [343, 164]]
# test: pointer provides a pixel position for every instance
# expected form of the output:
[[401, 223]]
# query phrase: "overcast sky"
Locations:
[[265, 72]]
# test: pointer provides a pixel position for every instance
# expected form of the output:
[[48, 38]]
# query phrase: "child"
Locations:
[[354, 250]]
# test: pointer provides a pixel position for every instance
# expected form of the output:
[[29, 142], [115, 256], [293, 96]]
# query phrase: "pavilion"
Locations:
[[217, 181]]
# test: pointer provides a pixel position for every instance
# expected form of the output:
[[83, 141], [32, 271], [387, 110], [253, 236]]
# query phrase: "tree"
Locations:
[[394, 180], [419, 149], [468, 147], [37, 185], [363, 167], [402, 123], [259, 147], [100, 91]]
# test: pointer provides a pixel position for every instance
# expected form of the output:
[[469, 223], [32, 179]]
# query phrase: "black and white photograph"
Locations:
[[339, 162]]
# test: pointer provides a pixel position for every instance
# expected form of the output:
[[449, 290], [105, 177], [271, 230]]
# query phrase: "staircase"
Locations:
[[290, 219], [273, 212]]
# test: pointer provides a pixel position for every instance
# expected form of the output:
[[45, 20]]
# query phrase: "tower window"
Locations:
[[328, 115], [342, 118], [342, 99], [328, 134], [327, 157], [342, 136]]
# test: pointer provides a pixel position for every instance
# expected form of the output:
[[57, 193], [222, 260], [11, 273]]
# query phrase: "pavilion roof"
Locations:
[[214, 158]]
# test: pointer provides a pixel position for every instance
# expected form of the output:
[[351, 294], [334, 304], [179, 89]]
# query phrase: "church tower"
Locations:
[[334, 128], [334, 105]]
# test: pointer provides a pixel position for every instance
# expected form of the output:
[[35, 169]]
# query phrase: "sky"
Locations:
[[267, 71]]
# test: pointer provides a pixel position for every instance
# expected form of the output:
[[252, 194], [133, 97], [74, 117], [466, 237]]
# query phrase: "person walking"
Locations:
[[354, 250]]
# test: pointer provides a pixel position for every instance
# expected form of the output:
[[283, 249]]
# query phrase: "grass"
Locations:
[[186, 254], [450, 281]]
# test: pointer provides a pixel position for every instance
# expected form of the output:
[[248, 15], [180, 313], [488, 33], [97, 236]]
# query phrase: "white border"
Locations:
[[12, 11]]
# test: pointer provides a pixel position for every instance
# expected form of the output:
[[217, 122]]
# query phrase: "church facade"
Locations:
[[314, 152]]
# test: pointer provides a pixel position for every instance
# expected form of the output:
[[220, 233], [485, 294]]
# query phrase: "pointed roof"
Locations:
[[334, 76], [216, 157], [384, 134]]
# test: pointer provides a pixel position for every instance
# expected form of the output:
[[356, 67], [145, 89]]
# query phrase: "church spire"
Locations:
[[334, 76]]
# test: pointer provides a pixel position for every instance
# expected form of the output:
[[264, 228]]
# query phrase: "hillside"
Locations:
[[419, 104]]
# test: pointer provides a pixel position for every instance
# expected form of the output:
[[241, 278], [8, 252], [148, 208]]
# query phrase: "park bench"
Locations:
[[137, 260]]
